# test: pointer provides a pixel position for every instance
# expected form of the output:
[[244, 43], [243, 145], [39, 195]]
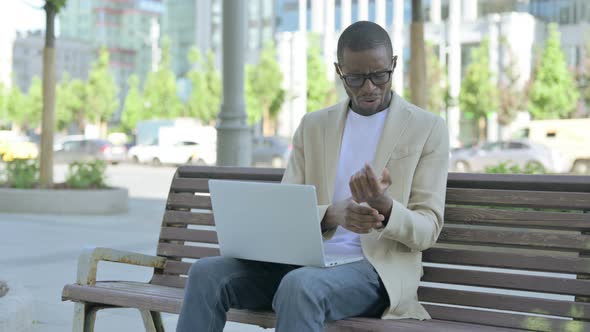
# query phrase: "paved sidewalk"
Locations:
[[41, 251]]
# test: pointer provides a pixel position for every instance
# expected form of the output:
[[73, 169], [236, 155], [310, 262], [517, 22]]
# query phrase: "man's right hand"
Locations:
[[355, 217]]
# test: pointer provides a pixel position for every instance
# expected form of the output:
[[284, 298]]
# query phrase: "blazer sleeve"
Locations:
[[419, 224], [295, 171]]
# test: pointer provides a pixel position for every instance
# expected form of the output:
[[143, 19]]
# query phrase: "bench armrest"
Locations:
[[88, 262]]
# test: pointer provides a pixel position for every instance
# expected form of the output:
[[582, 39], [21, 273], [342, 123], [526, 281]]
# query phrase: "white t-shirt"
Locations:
[[359, 143]]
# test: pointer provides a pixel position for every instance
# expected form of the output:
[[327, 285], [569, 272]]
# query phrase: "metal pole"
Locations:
[[234, 141]]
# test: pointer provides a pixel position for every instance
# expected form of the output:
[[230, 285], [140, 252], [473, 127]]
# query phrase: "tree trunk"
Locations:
[[48, 119], [417, 57]]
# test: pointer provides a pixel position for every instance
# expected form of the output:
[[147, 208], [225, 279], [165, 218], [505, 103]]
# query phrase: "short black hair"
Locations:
[[361, 36]]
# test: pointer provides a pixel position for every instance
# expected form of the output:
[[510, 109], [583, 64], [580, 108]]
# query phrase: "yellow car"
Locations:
[[11, 150]]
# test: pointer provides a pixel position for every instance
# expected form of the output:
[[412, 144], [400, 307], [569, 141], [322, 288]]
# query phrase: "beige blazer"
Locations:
[[414, 146]]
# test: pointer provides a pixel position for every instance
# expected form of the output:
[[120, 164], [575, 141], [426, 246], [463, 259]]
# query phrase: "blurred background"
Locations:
[[139, 81]]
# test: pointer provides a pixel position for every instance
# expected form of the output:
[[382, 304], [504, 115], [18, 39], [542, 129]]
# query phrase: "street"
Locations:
[[40, 251]]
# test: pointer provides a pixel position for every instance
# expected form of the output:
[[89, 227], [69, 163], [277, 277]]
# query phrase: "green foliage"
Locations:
[[583, 76], [133, 110], [16, 103], [264, 81], [512, 96], [57, 4], [553, 94], [507, 168], [71, 102], [160, 92], [101, 90], [22, 173], [479, 94], [3, 100], [34, 110], [437, 83], [320, 91], [205, 99], [83, 175]]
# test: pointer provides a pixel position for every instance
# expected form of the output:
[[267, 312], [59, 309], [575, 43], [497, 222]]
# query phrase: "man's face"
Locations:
[[371, 97]]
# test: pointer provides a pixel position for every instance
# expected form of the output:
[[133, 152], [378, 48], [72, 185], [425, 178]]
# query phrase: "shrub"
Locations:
[[86, 174], [22, 173], [506, 168]]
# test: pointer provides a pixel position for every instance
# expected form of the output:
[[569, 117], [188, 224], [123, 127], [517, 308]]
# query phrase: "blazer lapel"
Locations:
[[393, 129], [335, 121]]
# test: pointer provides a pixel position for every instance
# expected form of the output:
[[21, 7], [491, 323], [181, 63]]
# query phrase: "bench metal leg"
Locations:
[[152, 320], [84, 317]]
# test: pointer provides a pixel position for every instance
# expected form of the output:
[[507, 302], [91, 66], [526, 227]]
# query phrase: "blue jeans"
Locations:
[[304, 298]]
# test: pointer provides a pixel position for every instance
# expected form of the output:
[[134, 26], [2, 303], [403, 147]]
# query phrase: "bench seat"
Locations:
[[169, 299]]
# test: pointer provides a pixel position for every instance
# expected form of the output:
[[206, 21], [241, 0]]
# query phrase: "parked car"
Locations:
[[76, 148], [181, 152], [17, 147], [270, 151], [522, 153]]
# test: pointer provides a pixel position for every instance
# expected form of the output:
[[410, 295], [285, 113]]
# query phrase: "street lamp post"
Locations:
[[234, 143]]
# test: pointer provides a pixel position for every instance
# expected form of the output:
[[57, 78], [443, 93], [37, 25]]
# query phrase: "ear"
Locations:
[[394, 59], [337, 68]]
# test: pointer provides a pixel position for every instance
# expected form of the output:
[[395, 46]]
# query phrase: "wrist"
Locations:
[[383, 204]]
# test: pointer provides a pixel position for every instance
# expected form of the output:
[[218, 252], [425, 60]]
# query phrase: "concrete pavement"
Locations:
[[41, 251]]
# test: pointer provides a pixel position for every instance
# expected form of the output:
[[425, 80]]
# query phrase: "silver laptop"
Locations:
[[270, 222]]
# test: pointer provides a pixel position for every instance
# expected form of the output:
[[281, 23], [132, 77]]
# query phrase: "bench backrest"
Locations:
[[513, 252]]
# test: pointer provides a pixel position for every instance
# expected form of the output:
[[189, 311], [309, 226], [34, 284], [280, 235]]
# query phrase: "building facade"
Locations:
[[72, 58], [128, 29], [197, 23]]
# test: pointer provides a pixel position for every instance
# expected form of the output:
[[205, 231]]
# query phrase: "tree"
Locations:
[[553, 93], [479, 94], [512, 96], [71, 103], [320, 91], [437, 84], [417, 59], [265, 81], [205, 99], [583, 77], [31, 115], [101, 91], [16, 105], [4, 120], [133, 110], [160, 92], [52, 7]]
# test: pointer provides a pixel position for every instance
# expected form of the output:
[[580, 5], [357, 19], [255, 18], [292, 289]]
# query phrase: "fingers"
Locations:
[[362, 218], [364, 184], [372, 180], [385, 178]]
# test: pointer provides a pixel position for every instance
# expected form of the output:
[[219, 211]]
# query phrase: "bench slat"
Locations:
[[518, 237], [231, 173], [502, 319], [180, 251], [541, 219], [176, 267], [189, 201], [504, 302], [190, 185], [168, 280], [172, 217], [542, 263], [518, 198], [192, 235], [532, 283]]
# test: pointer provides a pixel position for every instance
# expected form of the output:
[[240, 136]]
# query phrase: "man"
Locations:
[[379, 165]]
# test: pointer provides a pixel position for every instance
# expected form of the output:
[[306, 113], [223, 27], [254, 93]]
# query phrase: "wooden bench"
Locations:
[[513, 255]]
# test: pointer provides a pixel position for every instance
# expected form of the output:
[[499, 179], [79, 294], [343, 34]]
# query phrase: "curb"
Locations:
[[16, 309]]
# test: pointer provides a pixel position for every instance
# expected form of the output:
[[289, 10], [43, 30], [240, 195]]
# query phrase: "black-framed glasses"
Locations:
[[377, 78]]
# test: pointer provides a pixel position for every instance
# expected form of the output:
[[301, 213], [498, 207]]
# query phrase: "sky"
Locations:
[[22, 15]]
